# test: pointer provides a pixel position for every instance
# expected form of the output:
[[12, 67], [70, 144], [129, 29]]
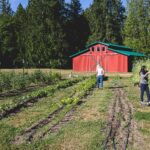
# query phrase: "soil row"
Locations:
[[30, 101], [18, 92], [30, 134], [119, 124]]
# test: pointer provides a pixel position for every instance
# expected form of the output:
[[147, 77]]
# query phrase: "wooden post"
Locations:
[[39, 64], [0, 66], [23, 66]]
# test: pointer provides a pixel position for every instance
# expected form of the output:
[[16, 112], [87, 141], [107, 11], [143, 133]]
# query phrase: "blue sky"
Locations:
[[14, 3]]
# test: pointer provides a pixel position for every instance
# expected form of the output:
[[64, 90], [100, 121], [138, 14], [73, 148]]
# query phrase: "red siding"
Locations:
[[110, 61]]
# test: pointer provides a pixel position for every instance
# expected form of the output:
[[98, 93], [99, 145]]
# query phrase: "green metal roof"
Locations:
[[127, 53], [80, 52], [109, 45], [124, 50]]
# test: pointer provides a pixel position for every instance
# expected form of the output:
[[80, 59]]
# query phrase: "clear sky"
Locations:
[[85, 3]]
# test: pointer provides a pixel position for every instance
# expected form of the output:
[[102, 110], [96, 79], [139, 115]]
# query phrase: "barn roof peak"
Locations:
[[110, 45], [124, 50]]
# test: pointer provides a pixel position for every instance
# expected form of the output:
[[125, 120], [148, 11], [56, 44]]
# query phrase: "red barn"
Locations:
[[112, 57]]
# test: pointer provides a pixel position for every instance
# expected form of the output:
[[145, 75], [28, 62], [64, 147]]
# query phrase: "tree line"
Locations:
[[47, 32]]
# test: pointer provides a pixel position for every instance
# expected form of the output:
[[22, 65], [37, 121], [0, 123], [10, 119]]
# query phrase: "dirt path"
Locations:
[[119, 124], [122, 129]]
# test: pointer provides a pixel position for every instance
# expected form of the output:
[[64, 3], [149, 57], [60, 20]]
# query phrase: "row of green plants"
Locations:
[[80, 91], [136, 69], [47, 91], [12, 80]]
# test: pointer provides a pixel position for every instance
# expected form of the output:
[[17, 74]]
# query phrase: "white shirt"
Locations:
[[99, 71]]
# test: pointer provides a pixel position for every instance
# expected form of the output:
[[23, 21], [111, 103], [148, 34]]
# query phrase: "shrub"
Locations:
[[12, 80], [37, 76], [22, 81]]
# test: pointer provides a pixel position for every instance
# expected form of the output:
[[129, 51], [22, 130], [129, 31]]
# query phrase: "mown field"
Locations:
[[53, 112]]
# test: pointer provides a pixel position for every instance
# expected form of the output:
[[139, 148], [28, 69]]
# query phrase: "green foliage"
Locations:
[[38, 76], [67, 101], [116, 80], [47, 91], [142, 116], [22, 81], [42, 93], [136, 28], [5, 8], [80, 91], [12, 80], [77, 28], [43, 35], [7, 80], [106, 20]]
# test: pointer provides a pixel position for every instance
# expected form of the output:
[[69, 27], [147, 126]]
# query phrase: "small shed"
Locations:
[[112, 57]]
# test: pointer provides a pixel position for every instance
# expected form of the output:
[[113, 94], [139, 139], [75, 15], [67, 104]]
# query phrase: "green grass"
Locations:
[[145, 131], [142, 116]]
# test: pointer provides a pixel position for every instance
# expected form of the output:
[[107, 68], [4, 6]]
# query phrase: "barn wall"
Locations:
[[110, 61]]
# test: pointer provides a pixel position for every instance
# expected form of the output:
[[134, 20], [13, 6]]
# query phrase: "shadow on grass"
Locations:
[[116, 87]]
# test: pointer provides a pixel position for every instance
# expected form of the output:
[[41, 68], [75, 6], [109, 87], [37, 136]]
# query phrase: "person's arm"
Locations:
[[145, 75]]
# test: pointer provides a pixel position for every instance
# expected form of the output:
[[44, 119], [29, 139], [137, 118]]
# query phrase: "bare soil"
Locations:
[[119, 124], [121, 128]]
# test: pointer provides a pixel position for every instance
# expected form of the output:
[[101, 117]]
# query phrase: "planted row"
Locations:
[[60, 115], [80, 91], [12, 80], [34, 96]]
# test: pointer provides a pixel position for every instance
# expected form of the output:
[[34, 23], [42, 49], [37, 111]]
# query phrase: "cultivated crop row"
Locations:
[[12, 80], [60, 116], [33, 97]]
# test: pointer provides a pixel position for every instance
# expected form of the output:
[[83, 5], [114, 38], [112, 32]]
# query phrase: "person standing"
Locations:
[[144, 84], [100, 76]]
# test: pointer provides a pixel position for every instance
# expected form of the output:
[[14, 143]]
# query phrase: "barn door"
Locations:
[[97, 59]]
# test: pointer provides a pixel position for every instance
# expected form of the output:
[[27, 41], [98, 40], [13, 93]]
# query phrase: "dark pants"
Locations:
[[145, 88], [100, 81]]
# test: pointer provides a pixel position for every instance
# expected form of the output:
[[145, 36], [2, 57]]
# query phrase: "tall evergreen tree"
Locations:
[[77, 27], [47, 33], [136, 26], [21, 25], [8, 42], [106, 19], [6, 33], [5, 8]]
